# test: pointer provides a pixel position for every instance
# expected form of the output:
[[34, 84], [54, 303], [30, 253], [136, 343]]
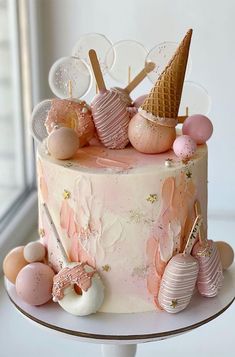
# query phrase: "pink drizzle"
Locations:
[[111, 120], [70, 276], [210, 276]]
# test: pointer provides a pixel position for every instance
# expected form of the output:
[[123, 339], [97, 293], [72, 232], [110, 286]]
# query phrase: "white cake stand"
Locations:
[[120, 333]]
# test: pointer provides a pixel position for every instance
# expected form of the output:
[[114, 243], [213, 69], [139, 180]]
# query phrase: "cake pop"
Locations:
[[180, 276], [210, 275], [109, 112], [158, 114]]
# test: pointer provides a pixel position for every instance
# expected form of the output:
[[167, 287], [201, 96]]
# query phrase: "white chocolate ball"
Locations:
[[63, 143], [226, 254], [34, 252]]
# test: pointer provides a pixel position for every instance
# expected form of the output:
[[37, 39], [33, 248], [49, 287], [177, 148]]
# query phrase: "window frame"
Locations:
[[21, 219]]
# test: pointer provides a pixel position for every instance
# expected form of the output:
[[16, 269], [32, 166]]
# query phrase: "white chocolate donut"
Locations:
[[91, 299]]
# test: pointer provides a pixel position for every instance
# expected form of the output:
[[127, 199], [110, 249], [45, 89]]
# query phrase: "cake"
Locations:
[[123, 212], [123, 223]]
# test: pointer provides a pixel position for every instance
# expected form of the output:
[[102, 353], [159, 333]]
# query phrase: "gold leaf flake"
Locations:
[[188, 174], [41, 232], [66, 194], [106, 268], [152, 198], [174, 303]]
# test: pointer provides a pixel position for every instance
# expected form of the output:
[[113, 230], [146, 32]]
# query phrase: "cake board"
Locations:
[[119, 334]]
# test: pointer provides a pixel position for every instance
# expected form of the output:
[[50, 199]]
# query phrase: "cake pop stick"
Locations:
[[210, 275], [180, 276], [110, 116], [125, 92], [55, 235]]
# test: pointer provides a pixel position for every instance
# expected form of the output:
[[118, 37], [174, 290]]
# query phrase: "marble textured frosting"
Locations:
[[124, 213]]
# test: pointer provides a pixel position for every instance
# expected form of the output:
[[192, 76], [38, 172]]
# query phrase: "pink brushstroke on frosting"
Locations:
[[67, 221], [171, 228]]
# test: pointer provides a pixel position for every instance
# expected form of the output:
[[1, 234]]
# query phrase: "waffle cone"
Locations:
[[164, 99]]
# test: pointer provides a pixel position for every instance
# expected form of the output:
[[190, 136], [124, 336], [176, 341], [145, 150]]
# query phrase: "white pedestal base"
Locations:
[[119, 334], [119, 350]]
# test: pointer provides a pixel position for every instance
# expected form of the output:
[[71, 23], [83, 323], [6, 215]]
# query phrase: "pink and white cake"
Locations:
[[123, 212], [122, 201]]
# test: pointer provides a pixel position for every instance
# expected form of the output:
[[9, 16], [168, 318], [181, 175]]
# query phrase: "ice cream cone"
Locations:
[[162, 103]]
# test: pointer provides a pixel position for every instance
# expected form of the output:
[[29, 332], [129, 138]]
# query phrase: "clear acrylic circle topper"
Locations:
[[70, 72], [125, 60], [95, 41], [160, 55], [195, 98], [38, 119]]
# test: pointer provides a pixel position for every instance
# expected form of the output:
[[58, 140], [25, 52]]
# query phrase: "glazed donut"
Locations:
[[90, 283]]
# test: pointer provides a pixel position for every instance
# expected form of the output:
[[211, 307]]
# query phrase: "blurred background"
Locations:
[[33, 35]]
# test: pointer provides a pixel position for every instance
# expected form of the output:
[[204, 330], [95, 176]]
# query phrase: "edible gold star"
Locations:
[[41, 232], [152, 198], [106, 268], [66, 194], [188, 174], [174, 303]]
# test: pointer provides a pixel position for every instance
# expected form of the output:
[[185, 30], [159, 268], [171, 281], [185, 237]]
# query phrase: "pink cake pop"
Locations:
[[180, 276], [109, 112], [210, 275]]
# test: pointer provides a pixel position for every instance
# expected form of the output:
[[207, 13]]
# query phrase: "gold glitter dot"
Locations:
[[106, 268], [152, 198], [66, 194]]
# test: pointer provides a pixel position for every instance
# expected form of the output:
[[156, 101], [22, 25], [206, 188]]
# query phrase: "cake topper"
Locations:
[[69, 70], [161, 54], [152, 130], [125, 56], [100, 43], [109, 111], [132, 84]]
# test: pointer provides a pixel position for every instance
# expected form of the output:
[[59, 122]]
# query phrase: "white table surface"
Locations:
[[20, 337]]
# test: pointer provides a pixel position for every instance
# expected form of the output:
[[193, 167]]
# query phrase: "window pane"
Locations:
[[13, 170]]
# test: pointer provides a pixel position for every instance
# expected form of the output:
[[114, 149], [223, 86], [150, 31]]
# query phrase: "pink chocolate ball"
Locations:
[[34, 283], [184, 147], [199, 127]]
